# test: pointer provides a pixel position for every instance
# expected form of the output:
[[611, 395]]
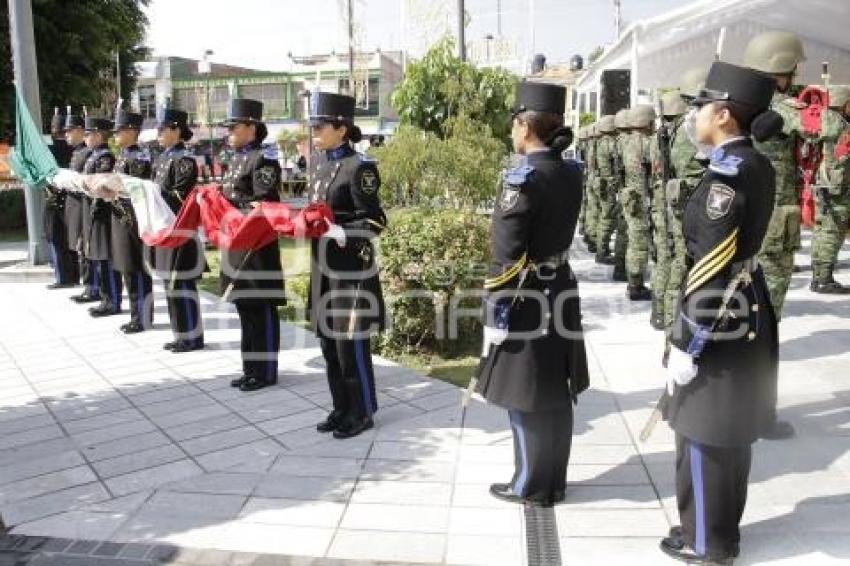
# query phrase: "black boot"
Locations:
[[604, 258], [825, 284], [331, 423], [636, 290], [352, 428], [656, 318], [619, 274]]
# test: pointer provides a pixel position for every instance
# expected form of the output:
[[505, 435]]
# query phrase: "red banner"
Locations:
[[227, 227]]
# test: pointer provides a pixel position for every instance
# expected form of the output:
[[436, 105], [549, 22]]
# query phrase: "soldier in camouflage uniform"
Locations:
[[607, 189], [687, 170], [832, 195], [778, 53], [591, 190], [621, 241], [672, 110], [580, 149], [634, 199]]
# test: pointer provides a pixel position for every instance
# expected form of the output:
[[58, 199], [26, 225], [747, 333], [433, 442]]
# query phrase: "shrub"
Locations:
[[441, 254], [420, 168], [13, 212]]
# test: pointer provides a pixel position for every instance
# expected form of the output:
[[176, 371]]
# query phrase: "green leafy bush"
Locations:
[[433, 262], [461, 170]]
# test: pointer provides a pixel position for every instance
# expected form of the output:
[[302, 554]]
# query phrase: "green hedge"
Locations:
[[13, 212], [439, 254]]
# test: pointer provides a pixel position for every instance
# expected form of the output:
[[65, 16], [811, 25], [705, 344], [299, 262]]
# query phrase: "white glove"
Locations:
[[681, 369], [492, 336], [336, 232]]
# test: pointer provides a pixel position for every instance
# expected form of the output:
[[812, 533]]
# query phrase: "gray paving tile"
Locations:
[[204, 427], [54, 481], [52, 503], [228, 483], [117, 432], [297, 487], [185, 417], [221, 440], [152, 477], [231, 457], [31, 436], [122, 446], [30, 468], [138, 460]]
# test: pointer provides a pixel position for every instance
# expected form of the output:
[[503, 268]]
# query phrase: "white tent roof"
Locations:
[[660, 50]]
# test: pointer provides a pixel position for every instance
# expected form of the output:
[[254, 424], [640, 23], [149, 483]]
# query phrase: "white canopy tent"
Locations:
[[658, 51]]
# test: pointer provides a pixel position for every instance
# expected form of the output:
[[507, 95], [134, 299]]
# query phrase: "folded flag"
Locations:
[[30, 159]]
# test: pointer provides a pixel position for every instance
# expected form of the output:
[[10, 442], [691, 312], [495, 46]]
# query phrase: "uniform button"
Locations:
[[548, 315], [545, 332], [755, 308], [546, 291], [751, 336]]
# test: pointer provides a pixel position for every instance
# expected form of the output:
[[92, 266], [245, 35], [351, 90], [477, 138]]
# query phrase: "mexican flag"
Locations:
[[30, 159]]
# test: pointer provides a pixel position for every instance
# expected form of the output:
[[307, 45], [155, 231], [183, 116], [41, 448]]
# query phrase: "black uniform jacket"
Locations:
[[176, 174], [253, 176], [127, 248], [734, 394], [96, 212], [74, 200], [53, 221], [345, 291], [542, 365]]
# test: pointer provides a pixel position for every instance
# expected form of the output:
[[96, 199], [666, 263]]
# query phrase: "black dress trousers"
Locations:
[[111, 287], [139, 286], [542, 442], [351, 377], [260, 339], [184, 311], [711, 491]]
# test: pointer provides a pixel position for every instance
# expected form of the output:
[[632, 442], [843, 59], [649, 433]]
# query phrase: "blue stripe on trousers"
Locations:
[[522, 478], [699, 497], [360, 356], [189, 319], [94, 288], [54, 262], [140, 296], [269, 365], [113, 288]]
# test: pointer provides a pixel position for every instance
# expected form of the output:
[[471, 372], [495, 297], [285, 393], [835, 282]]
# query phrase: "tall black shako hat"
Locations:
[[128, 121], [97, 124], [246, 111], [330, 107], [540, 97], [751, 90], [73, 120], [173, 118]]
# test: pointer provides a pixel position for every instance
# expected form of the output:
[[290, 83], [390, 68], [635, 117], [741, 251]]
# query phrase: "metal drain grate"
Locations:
[[541, 536]]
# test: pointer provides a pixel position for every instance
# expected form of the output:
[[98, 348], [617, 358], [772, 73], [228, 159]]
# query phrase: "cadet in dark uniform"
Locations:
[[75, 136], [127, 250], [536, 363], [253, 280], [722, 367], [176, 174], [97, 221], [66, 267], [345, 302]]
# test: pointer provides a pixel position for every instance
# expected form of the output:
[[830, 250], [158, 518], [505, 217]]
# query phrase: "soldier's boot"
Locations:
[[656, 315], [620, 275], [603, 254], [824, 283], [591, 246], [636, 290]]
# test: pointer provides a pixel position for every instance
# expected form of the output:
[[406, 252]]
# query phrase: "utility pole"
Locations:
[[618, 19], [26, 78], [351, 48], [461, 30]]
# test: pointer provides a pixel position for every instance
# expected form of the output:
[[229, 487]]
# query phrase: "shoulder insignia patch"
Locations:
[[719, 201], [509, 196], [267, 175], [369, 181], [517, 175], [184, 167]]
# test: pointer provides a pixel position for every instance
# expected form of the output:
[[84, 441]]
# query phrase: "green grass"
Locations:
[[456, 371], [294, 256], [14, 235]]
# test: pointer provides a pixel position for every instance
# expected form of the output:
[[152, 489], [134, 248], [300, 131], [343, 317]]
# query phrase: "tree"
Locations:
[[76, 44], [440, 86]]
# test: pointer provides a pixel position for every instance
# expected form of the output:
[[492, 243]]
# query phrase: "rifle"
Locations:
[[667, 173]]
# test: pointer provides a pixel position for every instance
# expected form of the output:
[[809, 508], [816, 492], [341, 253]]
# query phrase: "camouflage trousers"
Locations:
[[831, 223], [678, 268], [661, 237], [591, 208], [634, 206], [777, 252], [608, 217]]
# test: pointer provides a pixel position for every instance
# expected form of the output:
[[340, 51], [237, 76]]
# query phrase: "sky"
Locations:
[[263, 32]]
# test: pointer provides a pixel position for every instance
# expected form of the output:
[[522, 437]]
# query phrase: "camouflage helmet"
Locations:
[[839, 96], [621, 119], [672, 103], [641, 116], [692, 81], [774, 52], [606, 125]]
